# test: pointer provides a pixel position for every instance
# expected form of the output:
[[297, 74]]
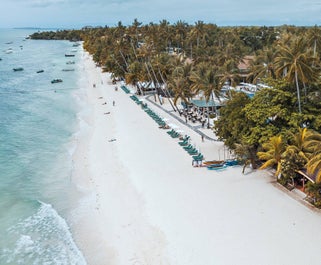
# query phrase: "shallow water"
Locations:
[[38, 123]]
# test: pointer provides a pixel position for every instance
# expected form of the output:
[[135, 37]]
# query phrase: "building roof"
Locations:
[[245, 63]]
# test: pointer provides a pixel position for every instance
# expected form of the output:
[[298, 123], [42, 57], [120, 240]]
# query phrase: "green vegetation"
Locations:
[[182, 60]]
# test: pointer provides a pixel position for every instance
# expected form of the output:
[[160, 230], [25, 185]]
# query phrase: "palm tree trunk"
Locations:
[[213, 96], [298, 91]]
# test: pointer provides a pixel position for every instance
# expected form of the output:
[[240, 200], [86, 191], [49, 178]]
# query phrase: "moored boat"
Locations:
[[69, 55], [40, 71], [56, 81], [18, 69]]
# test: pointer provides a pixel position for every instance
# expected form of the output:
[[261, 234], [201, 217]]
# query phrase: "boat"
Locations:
[[40, 71], [219, 167], [18, 69], [213, 162], [216, 165], [56, 81], [70, 62], [231, 162], [69, 55], [68, 70]]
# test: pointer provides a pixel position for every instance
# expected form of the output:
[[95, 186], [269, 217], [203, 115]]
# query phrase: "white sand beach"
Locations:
[[144, 203]]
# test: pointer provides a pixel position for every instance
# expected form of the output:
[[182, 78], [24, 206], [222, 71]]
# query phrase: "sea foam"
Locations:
[[42, 238]]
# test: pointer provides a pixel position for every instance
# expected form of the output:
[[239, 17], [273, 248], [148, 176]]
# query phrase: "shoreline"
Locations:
[[145, 204]]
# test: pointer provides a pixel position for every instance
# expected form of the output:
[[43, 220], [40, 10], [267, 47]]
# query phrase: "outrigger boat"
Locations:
[[213, 162], [56, 81], [18, 69]]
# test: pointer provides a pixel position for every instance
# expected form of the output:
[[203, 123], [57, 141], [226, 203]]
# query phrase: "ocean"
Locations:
[[38, 124]]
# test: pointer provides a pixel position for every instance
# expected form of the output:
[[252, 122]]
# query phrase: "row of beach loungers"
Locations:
[[126, 90], [184, 140]]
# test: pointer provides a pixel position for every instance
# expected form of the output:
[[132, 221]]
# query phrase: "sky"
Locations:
[[79, 13]]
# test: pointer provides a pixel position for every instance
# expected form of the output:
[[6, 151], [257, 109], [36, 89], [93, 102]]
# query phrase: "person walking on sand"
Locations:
[[113, 102], [202, 138]]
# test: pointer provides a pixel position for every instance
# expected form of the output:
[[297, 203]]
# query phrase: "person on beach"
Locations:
[[202, 138], [113, 102]]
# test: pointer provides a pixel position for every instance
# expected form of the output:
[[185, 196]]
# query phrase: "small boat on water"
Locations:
[[40, 71], [69, 55], [68, 70], [18, 69], [56, 81], [70, 62]]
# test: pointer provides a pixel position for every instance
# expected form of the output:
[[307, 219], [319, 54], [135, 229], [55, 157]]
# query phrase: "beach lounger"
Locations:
[[183, 143], [198, 157], [188, 147], [170, 132], [193, 152]]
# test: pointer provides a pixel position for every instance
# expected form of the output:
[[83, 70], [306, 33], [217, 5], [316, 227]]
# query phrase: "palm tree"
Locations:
[[180, 84], [314, 165], [314, 38], [229, 72], [263, 65], [209, 82], [272, 154], [294, 63], [246, 153], [304, 142]]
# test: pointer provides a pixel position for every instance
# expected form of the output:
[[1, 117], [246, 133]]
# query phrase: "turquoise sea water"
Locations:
[[37, 123]]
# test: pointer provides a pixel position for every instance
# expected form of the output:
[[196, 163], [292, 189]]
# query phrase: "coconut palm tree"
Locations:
[[229, 72], [314, 165], [304, 143], [246, 153], [206, 78], [272, 154], [263, 65], [179, 83], [314, 39], [294, 63], [180, 88]]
